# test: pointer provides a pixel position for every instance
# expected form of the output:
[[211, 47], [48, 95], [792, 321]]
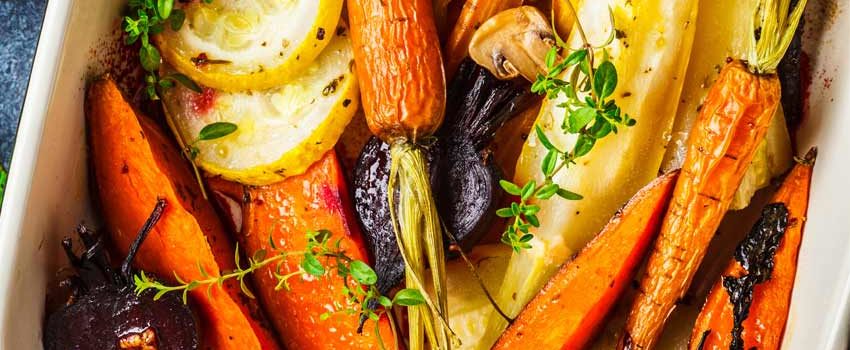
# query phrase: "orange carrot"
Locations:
[[473, 14], [134, 165], [572, 307], [733, 121], [764, 326], [283, 213], [400, 69], [731, 124]]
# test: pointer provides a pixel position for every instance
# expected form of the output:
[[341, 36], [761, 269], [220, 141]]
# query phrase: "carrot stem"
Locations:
[[417, 228], [773, 30]]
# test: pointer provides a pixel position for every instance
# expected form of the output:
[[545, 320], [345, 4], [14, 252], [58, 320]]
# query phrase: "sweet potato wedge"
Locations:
[[283, 213], [135, 164], [573, 305], [764, 326]]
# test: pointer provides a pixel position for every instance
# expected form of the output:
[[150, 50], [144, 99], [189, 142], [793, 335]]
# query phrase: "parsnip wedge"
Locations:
[[651, 54]]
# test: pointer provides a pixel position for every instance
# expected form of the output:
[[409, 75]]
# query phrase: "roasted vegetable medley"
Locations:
[[446, 174]]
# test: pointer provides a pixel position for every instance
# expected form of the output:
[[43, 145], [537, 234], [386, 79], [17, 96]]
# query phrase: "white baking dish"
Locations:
[[48, 192]]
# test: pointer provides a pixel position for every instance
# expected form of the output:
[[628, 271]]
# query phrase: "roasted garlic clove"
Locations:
[[514, 42]]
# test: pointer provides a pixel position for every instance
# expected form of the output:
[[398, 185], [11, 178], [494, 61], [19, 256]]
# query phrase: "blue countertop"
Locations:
[[20, 24]]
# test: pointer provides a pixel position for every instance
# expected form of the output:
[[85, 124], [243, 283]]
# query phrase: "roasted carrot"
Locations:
[[571, 308], [473, 14], [733, 121], [400, 69], [282, 213], [765, 324], [134, 165]]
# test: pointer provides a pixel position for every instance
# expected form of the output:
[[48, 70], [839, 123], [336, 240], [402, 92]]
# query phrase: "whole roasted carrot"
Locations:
[[573, 306], [472, 15], [281, 214], [400, 69], [134, 165], [726, 325], [733, 121]]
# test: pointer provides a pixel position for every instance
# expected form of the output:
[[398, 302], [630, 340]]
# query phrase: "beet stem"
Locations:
[[126, 266]]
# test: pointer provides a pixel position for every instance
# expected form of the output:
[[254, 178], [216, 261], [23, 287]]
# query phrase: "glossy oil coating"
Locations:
[[399, 66]]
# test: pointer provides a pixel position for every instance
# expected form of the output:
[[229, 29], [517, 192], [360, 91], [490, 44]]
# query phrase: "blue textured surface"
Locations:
[[20, 24]]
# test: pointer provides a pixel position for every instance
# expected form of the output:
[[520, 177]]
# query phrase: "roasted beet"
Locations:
[[464, 179], [104, 312]]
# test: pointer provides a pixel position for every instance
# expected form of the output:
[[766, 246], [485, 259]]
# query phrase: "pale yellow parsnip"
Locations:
[[651, 59]]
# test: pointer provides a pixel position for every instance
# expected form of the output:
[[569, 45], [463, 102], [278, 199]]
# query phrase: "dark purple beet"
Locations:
[[104, 312], [464, 180]]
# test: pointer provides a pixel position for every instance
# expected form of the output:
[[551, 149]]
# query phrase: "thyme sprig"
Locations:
[[321, 258], [147, 18], [590, 112]]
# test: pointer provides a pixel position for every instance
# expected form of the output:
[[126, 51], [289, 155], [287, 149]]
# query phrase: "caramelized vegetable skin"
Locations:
[[282, 213], [463, 174], [732, 122], [572, 307], [399, 67], [136, 164], [767, 313], [472, 15]]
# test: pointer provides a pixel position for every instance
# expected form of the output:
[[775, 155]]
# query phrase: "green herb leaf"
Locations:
[[385, 302], [572, 196], [547, 191], [605, 79], [532, 219], [551, 56], [580, 118], [260, 255], [576, 57], [504, 213], [549, 163], [541, 136], [177, 18], [150, 58], [510, 187], [528, 190], [362, 273], [312, 266], [216, 130], [583, 145], [163, 7], [408, 297]]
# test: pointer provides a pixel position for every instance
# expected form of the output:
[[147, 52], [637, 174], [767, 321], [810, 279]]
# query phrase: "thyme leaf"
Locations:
[[147, 18], [590, 113]]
